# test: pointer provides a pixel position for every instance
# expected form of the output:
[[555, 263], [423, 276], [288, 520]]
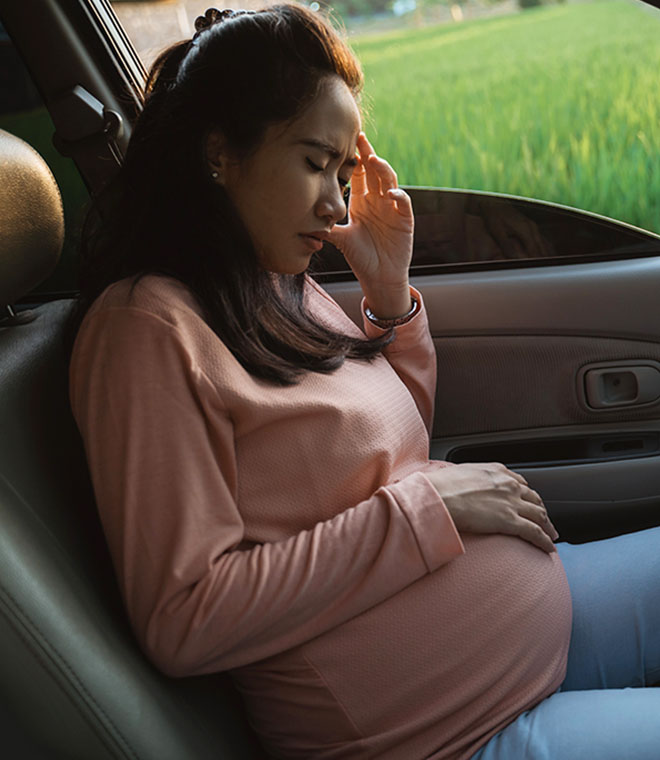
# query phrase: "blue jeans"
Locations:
[[600, 712]]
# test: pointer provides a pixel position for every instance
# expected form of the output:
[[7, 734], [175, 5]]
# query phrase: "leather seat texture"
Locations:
[[73, 683]]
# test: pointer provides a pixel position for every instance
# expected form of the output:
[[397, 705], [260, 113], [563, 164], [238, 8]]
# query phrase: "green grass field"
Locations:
[[561, 103]]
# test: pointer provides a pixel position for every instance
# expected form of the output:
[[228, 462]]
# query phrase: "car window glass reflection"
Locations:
[[463, 228]]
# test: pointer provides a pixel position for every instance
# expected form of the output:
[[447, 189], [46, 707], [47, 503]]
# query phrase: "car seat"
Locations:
[[73, 683]]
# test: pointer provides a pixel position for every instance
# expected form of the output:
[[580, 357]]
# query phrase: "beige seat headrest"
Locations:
[[31, 219]]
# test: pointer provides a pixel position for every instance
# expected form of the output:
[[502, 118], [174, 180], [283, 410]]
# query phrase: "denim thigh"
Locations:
[[615, 645]]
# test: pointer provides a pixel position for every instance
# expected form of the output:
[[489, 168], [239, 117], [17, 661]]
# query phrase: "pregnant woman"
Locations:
[[260, 463]]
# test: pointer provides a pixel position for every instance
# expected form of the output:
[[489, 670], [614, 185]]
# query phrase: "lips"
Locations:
[[314, 240]]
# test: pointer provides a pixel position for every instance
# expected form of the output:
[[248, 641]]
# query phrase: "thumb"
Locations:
[[338, 236]]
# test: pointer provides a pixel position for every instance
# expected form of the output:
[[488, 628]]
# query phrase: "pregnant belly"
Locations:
[[439, 667]]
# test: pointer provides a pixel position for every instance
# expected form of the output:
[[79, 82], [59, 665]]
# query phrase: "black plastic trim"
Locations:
[[551, 452]]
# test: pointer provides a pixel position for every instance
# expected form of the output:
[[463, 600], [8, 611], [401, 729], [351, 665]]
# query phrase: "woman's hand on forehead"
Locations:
[[377, 241]]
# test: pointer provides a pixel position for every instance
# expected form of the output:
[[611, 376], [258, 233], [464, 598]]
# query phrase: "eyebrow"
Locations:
[[327, 148]]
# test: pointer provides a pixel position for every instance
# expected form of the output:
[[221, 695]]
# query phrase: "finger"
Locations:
[[372, 175], [358, 180], [537, 511], [386, 173], [337, 236], [497, 468], [366, 151], [527, 494], [539, 515], [515, 475], [530, 531], [403, 201], [364, 146]]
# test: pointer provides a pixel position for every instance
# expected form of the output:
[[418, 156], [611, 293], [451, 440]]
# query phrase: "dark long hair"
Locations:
[[242, 72]]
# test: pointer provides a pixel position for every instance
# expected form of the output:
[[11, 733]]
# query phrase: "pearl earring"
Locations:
[[214, 175]]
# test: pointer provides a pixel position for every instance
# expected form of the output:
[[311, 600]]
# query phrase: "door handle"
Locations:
[[626, 383]]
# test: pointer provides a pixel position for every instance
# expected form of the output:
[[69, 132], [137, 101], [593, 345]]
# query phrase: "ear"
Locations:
[[216, 151]]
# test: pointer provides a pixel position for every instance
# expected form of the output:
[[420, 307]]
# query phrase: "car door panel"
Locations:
[[587, 499], [511, 344]]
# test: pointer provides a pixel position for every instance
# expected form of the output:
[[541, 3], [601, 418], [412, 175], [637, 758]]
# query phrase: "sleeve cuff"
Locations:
[[406, 334], [436, 534]]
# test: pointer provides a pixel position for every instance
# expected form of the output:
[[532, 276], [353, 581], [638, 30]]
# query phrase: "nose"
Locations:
[[330, 204]]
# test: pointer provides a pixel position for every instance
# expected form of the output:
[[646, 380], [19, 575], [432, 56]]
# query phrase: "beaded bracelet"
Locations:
[[395, 321]]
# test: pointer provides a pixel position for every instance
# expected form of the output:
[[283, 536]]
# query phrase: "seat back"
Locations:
[[72, 678]]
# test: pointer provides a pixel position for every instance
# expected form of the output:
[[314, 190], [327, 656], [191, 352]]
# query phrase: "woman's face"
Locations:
[[290, 191]]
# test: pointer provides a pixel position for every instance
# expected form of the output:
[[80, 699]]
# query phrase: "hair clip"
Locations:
[[214, 16], [211, 16]]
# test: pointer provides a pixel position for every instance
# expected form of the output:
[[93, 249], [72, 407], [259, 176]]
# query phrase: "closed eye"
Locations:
[[343, 183], [313, 166]]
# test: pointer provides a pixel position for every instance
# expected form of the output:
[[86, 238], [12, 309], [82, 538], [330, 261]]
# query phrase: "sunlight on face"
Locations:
[[290, 191]]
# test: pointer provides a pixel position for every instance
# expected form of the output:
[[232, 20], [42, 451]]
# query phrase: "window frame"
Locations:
[[580, 215]]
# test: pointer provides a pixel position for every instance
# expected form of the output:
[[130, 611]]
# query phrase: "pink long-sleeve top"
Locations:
[[290, 535]]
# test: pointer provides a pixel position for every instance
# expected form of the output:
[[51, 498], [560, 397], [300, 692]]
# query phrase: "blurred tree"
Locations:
[[347, 8]]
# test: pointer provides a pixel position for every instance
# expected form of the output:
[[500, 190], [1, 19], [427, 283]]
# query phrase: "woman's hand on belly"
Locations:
[[490, 498]]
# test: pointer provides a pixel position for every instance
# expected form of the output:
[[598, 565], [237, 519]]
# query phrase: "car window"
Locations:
[[551, 103], [470, 230], [493, 104], [554, 103], [22, 113], [152, 25]]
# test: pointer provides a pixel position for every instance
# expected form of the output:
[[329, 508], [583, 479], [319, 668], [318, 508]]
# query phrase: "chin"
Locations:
[[291, 268]]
